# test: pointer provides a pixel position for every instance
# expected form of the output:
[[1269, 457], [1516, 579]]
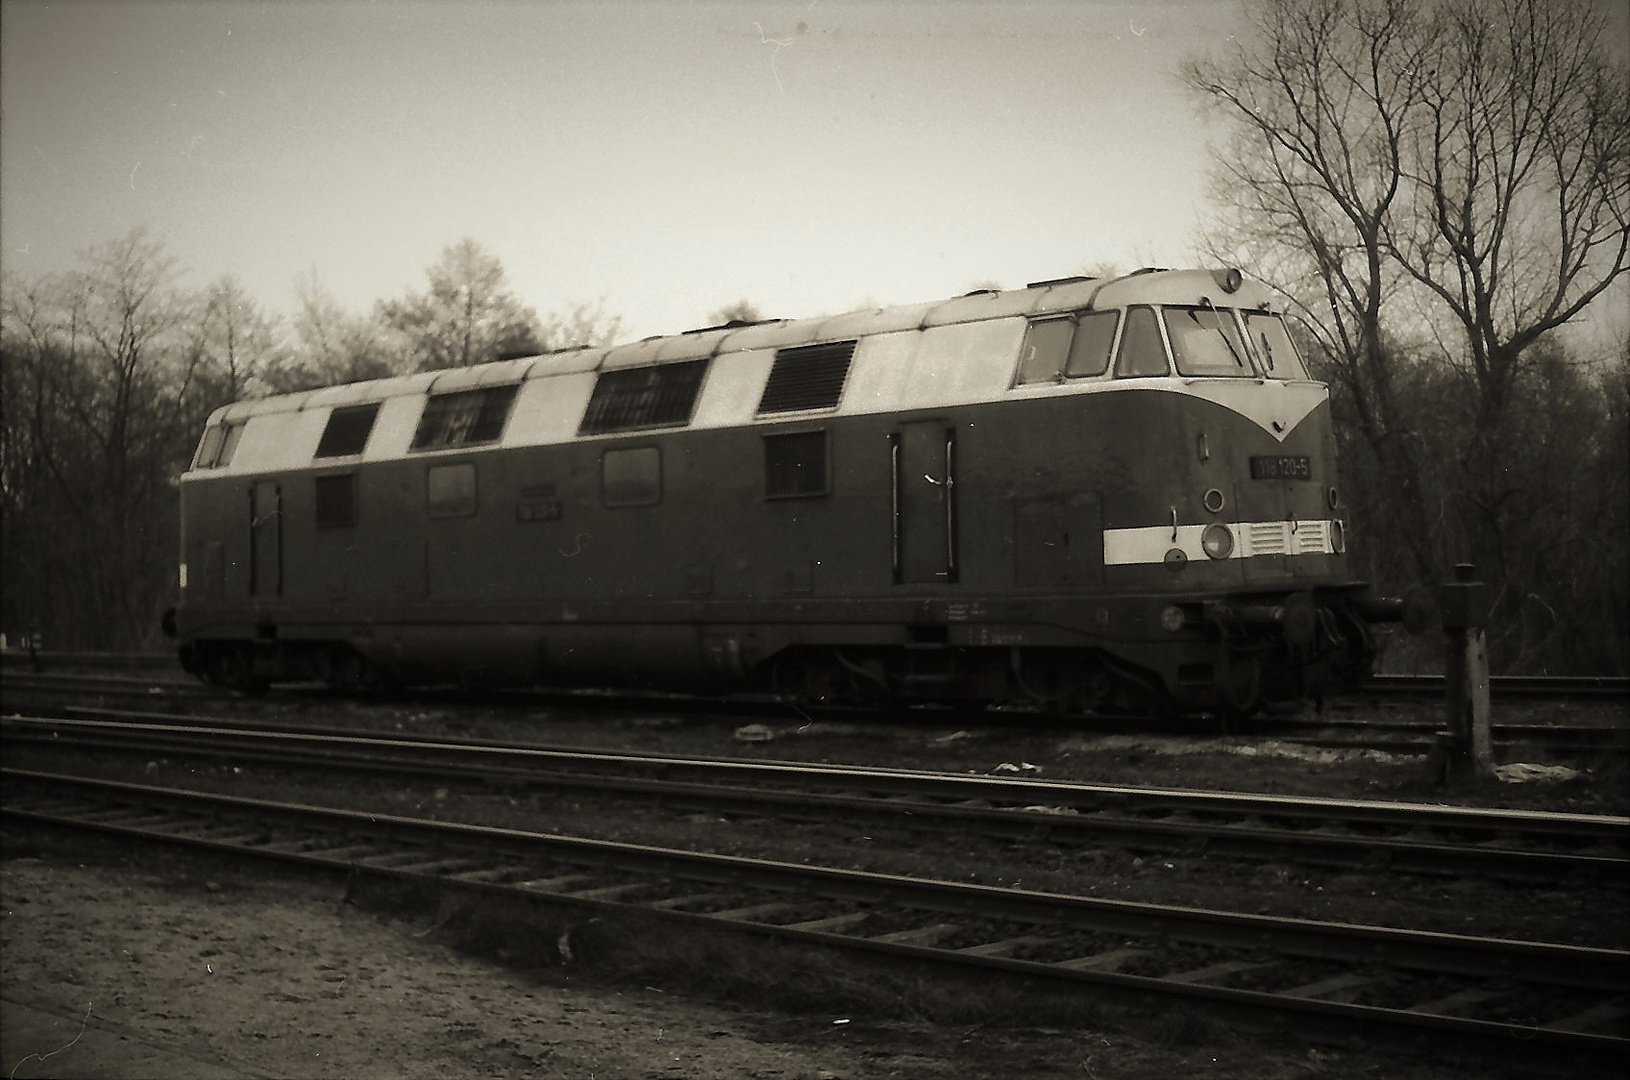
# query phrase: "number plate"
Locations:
[[1267, 467]]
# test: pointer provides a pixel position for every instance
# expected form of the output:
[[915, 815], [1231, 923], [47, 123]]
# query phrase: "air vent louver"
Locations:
[[627, 399], [807, 377]]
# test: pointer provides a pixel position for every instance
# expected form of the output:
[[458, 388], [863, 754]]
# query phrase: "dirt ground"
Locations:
[[125, 963], [114, 971]]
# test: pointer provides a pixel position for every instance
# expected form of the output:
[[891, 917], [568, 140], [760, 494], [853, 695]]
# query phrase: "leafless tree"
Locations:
[[1440, 186], [241, 345], [1320, 104], [331, 345], [467, 316], [106, 359], [580, 325]]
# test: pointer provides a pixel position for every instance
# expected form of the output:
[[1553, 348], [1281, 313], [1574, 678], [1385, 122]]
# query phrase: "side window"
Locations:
[[631, 477], [347, 430], [795, 465], [1142, 350], [229, 443], [1046, 344], [1274, 346], [336, 500], [463, 418], [450, 490], [216, 447], [1094, 335]]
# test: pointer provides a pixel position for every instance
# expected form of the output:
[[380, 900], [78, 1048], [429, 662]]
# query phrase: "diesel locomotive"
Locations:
[[1079, 495]]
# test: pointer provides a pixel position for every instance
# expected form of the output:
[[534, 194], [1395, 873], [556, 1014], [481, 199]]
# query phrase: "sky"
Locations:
[[665, 158]]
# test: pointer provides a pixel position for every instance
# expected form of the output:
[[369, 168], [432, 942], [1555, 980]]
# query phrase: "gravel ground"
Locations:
[[129, 963]]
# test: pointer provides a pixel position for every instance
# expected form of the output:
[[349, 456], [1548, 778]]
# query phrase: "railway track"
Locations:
[[1399, 837], [35, 691], [1530, 1001]]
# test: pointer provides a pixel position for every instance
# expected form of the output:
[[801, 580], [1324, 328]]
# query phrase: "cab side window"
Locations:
[[1143, 351], [1094, 335], [1067, 347]]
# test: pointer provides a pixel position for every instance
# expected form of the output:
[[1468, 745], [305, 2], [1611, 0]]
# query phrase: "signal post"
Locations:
[[1469, 753]]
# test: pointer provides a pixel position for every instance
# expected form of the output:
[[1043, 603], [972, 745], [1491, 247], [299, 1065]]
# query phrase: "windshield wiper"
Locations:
[[1238, 360]]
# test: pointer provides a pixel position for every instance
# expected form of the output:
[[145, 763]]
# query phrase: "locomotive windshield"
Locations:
[[1207, 343], [1274, 349]]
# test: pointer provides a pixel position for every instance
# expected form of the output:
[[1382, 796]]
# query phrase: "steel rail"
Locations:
[[1589, 982], [1508, 685], [1230, 824]]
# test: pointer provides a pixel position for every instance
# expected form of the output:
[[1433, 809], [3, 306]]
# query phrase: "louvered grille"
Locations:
[[464, 418], [663, 395], [1310, 537], [807, 377], [1268, 537]]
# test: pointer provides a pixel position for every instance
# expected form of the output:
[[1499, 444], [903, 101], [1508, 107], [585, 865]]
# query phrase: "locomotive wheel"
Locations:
[[1080, 683], [827, 677], [349, 670], [230, 666], [1241, 684]]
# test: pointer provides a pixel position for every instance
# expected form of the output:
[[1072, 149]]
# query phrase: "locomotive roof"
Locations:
[[1075, 294], [959, 351]]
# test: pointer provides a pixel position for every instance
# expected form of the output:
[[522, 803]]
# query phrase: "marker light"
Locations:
[[1171, 618], [1338, 536], [1217, 541]]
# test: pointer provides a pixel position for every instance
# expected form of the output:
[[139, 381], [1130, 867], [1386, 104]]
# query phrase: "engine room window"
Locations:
[[1206, 342], [1275, 351], [347, 430], [795, 465], [661, 395], [631, 477], [464, 418], [215, 449], [336, 500], [1142, 350], [450, 490], [807, 377]]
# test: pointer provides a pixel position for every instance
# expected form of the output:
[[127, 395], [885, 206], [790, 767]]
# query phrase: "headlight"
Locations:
[[1338, 536], [1171, 618], [1218, 541]]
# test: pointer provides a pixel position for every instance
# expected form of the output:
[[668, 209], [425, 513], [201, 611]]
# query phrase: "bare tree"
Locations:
[[330, 345], [240, 342], [1440, 186], [1519, 177], [1321, 106], [580, 325], [467, 316], [106, 358]]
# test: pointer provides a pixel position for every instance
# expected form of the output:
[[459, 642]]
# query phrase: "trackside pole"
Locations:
[[1469, 750]]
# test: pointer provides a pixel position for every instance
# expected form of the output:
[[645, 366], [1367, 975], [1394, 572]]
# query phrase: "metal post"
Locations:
[[1465, 605]]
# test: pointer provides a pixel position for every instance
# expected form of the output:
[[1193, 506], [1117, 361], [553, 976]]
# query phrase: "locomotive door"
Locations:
[[924, 503], [265, 539]]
